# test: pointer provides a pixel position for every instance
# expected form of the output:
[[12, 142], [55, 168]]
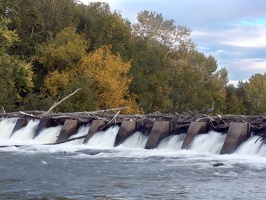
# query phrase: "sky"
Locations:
[[232, 31]]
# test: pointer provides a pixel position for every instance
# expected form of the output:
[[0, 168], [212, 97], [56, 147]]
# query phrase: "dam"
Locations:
[[219, 135]]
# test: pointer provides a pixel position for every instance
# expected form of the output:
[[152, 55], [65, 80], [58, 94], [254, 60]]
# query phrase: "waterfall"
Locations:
[[6, 127], [137, 140], [104, 139], [262, 151], [172, 142], [250, 147], [27, 132], [83, 130], [48, 135], [211, 142]]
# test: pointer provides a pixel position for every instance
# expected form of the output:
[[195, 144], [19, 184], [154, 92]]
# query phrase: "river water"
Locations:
[[97, 170]]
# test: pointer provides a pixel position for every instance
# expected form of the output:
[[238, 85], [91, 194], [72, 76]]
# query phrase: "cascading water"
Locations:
[[83, 130], [27, 132], [137, 140], [104, 139], [6, 127], [211, 142], [48, 135], [172, 142], [250, 147]]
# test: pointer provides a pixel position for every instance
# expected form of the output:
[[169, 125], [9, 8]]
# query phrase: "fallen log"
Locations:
[[68, 140], [53, 143], [58, 103]]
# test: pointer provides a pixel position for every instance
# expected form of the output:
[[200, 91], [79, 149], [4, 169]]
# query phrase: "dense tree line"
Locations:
[[50, 48]]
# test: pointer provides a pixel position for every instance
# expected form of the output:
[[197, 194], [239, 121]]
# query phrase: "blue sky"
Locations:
[[232, 31]]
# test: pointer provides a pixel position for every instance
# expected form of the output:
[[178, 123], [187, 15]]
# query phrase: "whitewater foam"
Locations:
[[204, 146], [6, 127]]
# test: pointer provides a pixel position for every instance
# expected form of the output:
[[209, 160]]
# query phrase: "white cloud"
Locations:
[[250, 37], [249, 65], [234, 82]]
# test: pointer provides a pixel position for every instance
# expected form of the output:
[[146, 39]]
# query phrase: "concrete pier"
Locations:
[[126, 129], [237, 133], [96, 126], [160, 130], [70, 127], [194, 129]]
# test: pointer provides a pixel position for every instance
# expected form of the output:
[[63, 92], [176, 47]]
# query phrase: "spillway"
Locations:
[[209, 142]]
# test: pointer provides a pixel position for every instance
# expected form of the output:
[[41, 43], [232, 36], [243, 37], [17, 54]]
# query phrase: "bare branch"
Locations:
[[57, 103], [110, 120]]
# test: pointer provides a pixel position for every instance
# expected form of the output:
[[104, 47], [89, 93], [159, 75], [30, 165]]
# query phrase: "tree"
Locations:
[[103, 78], [256, 93], [110, 78], [8, 37], [155, 28], [150, 75], [103, 27], [37, 21], [58, 84], [63, 51], [16, 74], [234, 101], [196, 83], [155, 38], [235, 105]]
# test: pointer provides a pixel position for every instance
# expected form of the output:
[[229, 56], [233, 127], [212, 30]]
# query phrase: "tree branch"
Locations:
[[57, 103]]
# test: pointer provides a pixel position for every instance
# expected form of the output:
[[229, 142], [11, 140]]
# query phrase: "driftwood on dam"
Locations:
[[179, 123]]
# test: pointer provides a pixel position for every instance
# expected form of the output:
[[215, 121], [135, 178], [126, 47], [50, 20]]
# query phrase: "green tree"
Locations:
[[241, 94], [150, 74], [16, 74], [196, 82], [37, 21], [63, 51], [234, 102], [256, 93], [103, 27], [154, 39], [235, 105], [60, 84]]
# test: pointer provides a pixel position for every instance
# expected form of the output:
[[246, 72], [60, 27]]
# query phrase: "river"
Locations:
[[97, 170]]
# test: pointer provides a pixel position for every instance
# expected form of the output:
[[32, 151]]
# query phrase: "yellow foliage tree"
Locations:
[[55, 82], [110, 77]]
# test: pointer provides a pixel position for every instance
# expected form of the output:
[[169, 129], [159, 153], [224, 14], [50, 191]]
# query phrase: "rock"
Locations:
[[217, 164]]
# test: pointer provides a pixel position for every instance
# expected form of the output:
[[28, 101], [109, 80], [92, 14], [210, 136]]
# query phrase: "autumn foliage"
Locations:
[[50, 48], [110, 77]]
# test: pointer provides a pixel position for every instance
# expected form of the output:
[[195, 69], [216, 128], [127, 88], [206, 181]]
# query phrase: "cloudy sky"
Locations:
[[232, 31]]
